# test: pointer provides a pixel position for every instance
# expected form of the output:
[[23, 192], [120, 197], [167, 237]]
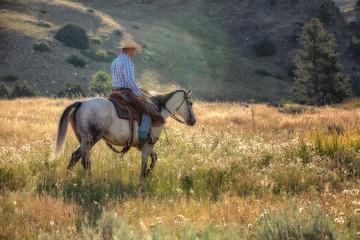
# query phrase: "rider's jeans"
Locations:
[[145, 125]]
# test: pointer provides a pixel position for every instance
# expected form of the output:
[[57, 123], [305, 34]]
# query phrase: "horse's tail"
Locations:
[[63, 125]]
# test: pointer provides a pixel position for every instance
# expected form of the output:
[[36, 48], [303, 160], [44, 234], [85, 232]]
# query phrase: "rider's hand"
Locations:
[[140, 98]]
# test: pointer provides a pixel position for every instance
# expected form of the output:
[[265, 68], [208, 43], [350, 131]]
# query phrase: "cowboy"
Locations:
[[122, 74]]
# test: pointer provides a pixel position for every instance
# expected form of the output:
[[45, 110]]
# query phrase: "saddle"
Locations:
[[133, 112], [124, 109]]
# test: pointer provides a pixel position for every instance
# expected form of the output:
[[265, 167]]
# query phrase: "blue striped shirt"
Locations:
[[122, 73]]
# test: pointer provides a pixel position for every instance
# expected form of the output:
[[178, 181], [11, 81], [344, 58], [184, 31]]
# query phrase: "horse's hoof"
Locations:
[[148, 172]]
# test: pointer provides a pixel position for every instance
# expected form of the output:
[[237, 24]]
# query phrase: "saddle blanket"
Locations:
[[123, 109]]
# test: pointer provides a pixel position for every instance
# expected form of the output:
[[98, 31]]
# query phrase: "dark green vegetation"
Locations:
[[76, 61], [100, 84], [214, 47], [73, 36], [41, 47], [71, 90], [318, 80]]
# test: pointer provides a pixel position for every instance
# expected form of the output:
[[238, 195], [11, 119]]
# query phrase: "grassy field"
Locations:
[[253, 172]]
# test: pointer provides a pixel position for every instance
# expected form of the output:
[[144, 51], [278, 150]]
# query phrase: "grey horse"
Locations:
[[96, 119]]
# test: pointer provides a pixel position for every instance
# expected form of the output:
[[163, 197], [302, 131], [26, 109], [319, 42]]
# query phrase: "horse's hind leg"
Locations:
[[75, 158], [84, 152], [86, 161]]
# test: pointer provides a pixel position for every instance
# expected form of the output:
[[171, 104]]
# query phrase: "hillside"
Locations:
[[206, 45]]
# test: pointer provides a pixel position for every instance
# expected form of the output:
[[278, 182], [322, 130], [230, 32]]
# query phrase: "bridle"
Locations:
[[173, 116]]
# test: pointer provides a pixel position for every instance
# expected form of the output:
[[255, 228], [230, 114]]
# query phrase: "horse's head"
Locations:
[[185, 109]]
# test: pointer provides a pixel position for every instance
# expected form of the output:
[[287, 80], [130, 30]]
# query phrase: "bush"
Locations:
[[71, 91], [118, 33], [73, 36], [100, 55], [9, 78], [22, 90], [355, 47], [324, 15], [40, 47], [100, 83], [4, 93], [265, 48], [45, 24], [7, 178], [76, 61], [266, 73], [96, 39]]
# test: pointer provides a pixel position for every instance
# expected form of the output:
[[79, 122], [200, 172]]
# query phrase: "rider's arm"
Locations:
[[129, 70]]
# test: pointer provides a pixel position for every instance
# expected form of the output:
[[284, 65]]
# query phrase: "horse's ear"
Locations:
[[189, 91]]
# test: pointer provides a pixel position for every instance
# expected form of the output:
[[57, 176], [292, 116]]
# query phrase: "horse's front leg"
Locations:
[[146, 151], [153, 156]]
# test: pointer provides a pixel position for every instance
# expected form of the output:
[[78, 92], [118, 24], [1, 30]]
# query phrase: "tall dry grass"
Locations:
[[219, 178]]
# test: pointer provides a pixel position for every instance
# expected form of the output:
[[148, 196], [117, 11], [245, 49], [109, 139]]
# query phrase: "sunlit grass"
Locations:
[[217, 178]]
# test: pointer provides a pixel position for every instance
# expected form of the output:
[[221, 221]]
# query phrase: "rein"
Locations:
[[173, 116]]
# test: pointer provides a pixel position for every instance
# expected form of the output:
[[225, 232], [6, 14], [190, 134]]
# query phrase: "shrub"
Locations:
[[4, 93], [100, 83], [272, 2], [100, 55], [357, 3], [73, 36], [9, 78], [40, 47], [7, 178], [76, 61], [96, 39], [324, 15], [265, 48], [187, 183], [266, 73], [71, 91], [118, 33], [355, 46], [22, 90], [45, 24]]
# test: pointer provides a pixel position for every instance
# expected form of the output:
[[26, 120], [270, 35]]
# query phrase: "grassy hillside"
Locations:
[[206, 45], [240, 173]]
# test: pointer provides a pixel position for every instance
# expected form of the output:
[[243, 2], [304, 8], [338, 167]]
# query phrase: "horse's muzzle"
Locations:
[[191, 122]]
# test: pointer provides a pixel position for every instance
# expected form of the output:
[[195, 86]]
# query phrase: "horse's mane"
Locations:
[[160, 99]]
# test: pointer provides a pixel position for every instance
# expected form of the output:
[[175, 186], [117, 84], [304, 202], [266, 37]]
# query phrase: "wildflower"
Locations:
[[301, 209], [52, 223], [345, 192], [179, 219], [340, 220], [355, 192], [249, 226], [15, 203], [357, 211]]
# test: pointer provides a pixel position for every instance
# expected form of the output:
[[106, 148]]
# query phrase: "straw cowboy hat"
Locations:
[[129, 44]]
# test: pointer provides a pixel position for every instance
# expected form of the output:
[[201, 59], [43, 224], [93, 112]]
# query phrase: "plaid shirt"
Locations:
[[122, 73]]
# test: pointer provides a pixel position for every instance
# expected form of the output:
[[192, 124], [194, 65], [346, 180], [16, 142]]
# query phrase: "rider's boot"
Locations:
[[144, 138]]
